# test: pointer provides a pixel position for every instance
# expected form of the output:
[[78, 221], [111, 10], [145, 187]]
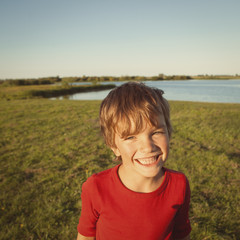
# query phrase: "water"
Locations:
[[221, 91]]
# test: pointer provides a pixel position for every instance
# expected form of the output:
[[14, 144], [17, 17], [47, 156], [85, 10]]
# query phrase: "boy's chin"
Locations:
[[153, 173]]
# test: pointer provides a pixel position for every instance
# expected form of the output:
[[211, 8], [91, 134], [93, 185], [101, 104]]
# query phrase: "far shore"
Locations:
[[48, 91]]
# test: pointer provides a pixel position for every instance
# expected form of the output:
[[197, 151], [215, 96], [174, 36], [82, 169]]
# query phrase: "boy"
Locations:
[[138, 199]]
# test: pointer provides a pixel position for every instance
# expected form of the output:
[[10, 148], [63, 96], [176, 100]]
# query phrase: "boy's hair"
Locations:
[[128, 107]]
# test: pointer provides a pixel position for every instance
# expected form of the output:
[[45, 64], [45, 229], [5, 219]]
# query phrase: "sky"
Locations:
[[67, 38]]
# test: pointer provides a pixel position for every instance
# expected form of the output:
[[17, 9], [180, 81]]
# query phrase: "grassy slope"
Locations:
[[48, 148]]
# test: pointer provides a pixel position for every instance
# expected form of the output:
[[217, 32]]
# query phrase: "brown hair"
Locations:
[[131, 105]]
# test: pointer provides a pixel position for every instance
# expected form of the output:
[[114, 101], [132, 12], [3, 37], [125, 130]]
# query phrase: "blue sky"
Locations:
[[116, 38]]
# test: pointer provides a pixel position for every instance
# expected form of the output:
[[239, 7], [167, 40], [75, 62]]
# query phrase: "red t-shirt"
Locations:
[[110, 211]]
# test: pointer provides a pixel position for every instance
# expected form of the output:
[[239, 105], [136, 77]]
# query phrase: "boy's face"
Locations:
[[144, 154]]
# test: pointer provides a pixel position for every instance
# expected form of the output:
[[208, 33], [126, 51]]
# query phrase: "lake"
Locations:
[[219, 91]]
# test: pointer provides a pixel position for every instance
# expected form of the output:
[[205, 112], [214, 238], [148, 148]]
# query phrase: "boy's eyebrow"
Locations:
[[160, 126]]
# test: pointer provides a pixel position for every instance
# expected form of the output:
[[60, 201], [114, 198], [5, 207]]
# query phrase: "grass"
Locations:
[[49, 148]]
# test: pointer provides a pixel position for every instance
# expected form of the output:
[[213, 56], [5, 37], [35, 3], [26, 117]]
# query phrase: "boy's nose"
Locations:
[[147, 146]]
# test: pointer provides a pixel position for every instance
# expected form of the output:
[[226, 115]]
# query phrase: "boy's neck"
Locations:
[[140, 183]]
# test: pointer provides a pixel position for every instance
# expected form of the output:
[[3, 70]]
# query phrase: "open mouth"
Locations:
[[150, 161]]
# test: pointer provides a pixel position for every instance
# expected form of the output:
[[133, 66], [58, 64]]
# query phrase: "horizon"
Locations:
[[127, 38]]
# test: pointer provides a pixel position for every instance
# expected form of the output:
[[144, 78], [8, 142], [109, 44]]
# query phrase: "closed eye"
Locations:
[[159, 132], [129, 138]]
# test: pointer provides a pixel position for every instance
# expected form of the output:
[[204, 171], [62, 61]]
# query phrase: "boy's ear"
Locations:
[[116, 151]]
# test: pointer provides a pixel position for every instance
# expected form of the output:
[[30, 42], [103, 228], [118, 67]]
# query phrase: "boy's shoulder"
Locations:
[[101, 178], [177, 183], [105, 173]]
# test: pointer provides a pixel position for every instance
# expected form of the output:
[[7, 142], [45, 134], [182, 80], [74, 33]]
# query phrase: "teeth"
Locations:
[[147, 160]]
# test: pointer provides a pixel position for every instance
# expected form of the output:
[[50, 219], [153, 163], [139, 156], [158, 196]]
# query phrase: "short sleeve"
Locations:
[[182, 226], [89, 215]]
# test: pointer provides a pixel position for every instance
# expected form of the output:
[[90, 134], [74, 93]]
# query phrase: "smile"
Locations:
[[148, 161]]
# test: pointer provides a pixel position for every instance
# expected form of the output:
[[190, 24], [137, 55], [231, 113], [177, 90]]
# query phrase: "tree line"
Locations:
[[96, 79], [26, 82]]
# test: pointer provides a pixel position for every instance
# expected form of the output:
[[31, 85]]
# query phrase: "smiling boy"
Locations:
[[138, 199]]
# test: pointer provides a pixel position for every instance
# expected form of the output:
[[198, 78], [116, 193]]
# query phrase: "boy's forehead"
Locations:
[[132, 125]]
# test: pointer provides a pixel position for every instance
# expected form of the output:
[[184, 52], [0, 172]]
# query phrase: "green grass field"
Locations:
[[49, 148]]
